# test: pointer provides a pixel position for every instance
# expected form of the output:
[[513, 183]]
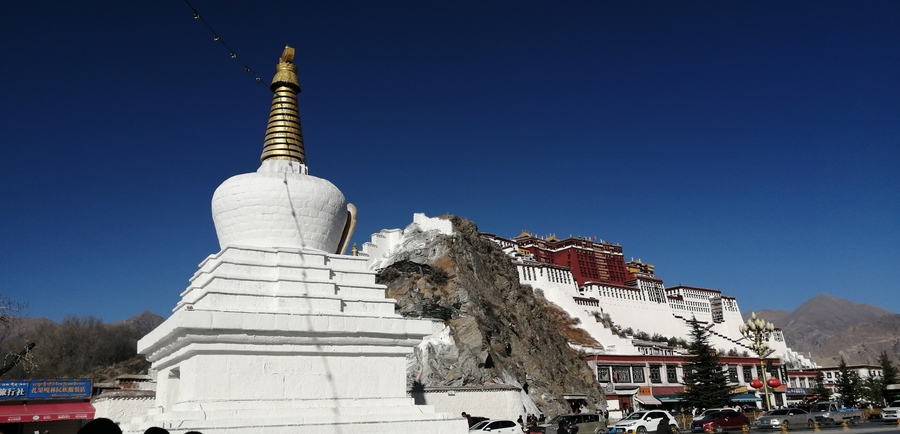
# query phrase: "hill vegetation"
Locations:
[[78, 347]]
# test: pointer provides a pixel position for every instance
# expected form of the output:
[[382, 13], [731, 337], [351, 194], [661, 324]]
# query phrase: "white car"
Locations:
[[891, 413], [497, 426], [643, 422]]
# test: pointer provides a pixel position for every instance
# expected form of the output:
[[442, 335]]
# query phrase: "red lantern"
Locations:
[[756, 384], [773, 382]]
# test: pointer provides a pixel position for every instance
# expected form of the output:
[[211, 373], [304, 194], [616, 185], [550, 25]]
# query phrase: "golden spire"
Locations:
[[284, 137]]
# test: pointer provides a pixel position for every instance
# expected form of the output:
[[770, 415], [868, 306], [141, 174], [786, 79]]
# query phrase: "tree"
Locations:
[[82, 347], [820, 389], [889, 374], [848, 384], [15, 351], [706, 385], [870, 391], [79, 344]]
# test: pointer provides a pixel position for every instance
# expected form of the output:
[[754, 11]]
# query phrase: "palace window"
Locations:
[[638, 374], [671, 374], [655, 376], [732, 373], [748, 373], [603, 374], [621, 374]]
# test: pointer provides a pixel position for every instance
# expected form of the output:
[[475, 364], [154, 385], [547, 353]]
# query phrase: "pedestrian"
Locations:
[[156, 430], [663, 426], [567, 428], [101, 425]]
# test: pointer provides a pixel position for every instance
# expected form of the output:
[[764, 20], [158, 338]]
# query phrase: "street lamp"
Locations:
[[758, 331]]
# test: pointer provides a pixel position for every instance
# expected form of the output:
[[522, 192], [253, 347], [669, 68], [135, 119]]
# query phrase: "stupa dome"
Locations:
[[281, 205]]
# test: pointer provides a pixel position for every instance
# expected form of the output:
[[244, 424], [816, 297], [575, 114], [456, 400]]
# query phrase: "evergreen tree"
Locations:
[[848, 384], [889, 374], [870, 391], [820, 389], [705, 382]]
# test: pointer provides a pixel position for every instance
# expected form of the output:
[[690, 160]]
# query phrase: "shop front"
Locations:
[[44, 406]]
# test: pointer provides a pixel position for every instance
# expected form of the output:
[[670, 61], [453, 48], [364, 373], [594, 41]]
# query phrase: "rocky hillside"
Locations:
[[863, 343], [494, 330], [829, 327]]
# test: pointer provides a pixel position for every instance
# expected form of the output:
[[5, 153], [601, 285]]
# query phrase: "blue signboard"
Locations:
[[22, 390], [14, 389]]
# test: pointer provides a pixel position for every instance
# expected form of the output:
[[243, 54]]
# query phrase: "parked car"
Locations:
[[785, 418], [833, 412], [721, 421], [587, 423], [642, 422], [497, 426], [707, 411], [891, 413]]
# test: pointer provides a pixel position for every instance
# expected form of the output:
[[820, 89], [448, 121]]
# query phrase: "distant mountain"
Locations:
[[814, 324], [771, 315], [143, 322], [862, 344]]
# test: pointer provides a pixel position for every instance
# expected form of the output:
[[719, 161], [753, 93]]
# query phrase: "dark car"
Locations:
[[585, 422], [721, 421]]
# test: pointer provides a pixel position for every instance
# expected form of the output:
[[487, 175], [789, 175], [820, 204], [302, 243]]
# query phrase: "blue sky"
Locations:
[[746, 146]]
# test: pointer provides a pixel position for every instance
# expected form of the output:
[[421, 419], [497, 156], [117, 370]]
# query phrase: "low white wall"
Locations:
[[122, 410], [493, 404]]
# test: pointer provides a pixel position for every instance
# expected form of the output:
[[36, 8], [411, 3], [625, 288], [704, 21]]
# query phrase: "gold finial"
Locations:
[[284, 137]]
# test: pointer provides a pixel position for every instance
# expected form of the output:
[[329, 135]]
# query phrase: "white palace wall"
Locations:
[[559, 288], [640, 315]]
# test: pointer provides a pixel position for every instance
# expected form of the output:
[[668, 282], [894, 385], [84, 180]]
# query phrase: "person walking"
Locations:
[[663, 426]]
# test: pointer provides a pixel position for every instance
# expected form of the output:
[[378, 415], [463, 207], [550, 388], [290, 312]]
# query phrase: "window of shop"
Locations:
[[748, 373], [732, 373]]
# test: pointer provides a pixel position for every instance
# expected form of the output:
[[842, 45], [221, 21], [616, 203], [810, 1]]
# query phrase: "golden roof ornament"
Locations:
[[284, 137]]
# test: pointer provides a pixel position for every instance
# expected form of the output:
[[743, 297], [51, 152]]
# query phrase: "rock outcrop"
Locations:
[[494, 330]]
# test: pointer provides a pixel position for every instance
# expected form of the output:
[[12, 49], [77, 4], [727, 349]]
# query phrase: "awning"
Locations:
[[45, 412], [744, 397], [647, 399], [668, 398], [626, 392]]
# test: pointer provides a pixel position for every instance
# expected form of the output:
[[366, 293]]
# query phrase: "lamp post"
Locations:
[[758, 331]]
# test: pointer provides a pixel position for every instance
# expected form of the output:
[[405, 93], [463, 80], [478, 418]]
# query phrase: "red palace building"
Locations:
[[589, 260]]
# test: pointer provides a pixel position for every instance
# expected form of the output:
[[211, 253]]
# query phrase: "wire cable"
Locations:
[[219, 39]]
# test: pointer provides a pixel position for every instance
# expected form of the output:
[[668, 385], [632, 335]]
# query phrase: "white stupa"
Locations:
[[280, 332]]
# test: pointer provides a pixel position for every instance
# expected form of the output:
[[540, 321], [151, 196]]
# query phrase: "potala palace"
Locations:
[[639, 324]]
